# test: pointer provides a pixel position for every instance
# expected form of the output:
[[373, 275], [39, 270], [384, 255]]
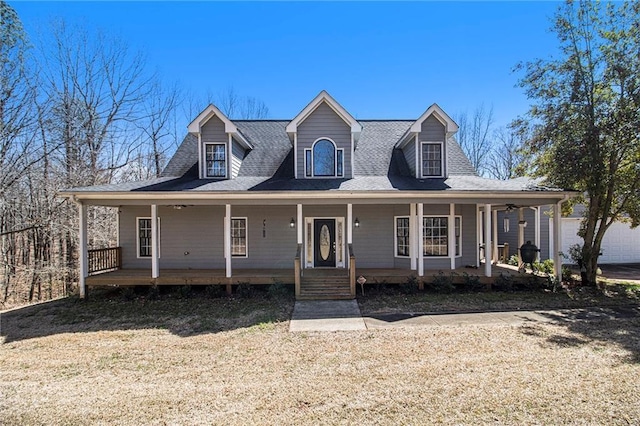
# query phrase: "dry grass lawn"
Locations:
[[233, 362]]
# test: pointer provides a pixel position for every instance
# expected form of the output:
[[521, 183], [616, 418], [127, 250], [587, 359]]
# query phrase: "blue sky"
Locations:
[[379, 60]]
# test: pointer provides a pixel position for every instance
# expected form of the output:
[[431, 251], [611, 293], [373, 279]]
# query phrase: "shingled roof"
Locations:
[[269, 166]]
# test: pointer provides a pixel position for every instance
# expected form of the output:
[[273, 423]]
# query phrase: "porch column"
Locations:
[[452, 235], [494, 247], [413, 240], [155, 266], [419, 239], [536, 210], [557, 239], [83, 254], [478, 233], [299, 222], [227, 239], [487, 242], [349, 223], [520, 233]]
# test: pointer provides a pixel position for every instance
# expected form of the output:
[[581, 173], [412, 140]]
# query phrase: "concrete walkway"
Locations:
[[344, 315], [326, 315]]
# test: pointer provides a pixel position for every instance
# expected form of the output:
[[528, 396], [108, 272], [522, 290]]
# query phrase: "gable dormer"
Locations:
[[425, 143], [324, 137], [221, 146]]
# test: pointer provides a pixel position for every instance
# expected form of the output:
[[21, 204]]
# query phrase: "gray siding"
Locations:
[[409, 152], [213, 132], [373, 240], [433, 131], [324, 122], [511, 237], [470, 245], [195, 230], [237, 155]]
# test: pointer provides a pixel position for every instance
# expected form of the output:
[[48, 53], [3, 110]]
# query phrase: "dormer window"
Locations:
[[432, 159], [324, 159], [216, 160]]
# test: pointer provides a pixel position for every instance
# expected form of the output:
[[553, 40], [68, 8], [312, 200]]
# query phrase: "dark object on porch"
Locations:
[[528, 254]]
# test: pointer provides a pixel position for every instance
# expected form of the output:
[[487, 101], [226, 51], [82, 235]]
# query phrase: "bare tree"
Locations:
[[505, 158], [474, 136]]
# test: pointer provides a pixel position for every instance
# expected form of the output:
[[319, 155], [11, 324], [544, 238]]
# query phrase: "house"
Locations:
[[317, 200]]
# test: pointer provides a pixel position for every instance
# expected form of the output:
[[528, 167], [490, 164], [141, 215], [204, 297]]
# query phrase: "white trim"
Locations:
[[155, 242], [418, 161], [138, 238], [451, 235], [335, 163], [323, 96], [395, 237], [478, 233], [299, 222], [227, 240], [212, 111], [246, 237], [449, 230], [420, 213], [295, 156], [487, 241], [349, 223], [443, 172], [83, 251], [221, 197], [311, 219], [201, 164], [412, 235], [226, 160]]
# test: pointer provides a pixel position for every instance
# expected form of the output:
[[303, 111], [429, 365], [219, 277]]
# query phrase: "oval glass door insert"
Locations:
[[325, 242]]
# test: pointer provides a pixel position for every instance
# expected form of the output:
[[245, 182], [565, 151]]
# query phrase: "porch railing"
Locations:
[[297, 269], [105, 259], [352, 270]]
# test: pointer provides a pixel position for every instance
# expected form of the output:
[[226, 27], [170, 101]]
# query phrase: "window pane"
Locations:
[[402, 236], [307, 163], [324, 158], [434, 236], [238, 237], [340, 165], [216, 160], [458, 236], [431, 159], [144, 237]]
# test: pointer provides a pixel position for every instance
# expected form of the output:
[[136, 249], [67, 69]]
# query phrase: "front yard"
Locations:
[[233, 361]]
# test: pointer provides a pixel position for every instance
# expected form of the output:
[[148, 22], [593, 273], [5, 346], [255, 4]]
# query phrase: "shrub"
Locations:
[[503, 282], [153, 293], [442, 283], [472, 282], [514, 260], [127, 293], [546, 266], [244, 290], [277, 290], [213, 291], [410, 286], [183, 291]]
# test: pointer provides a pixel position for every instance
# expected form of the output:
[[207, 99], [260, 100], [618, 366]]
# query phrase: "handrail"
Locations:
[[104, 259]]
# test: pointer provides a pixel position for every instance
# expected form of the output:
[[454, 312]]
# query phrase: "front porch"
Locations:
[[197, 277]]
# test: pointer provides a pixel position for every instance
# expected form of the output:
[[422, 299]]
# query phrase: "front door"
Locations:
[[325, 242]]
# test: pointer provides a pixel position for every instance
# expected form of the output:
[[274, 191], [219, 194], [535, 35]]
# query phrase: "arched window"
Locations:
[[324, 159]]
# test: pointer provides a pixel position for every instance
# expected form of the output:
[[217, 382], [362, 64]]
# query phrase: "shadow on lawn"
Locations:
[[181, 316], [619, 325]]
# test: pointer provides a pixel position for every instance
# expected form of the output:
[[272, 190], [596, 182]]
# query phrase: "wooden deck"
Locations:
[[135, 277]]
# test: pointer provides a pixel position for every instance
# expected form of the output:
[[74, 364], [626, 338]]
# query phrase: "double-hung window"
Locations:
[[402, 236], [144, 236], [435, 236], [432, 159], [215, 160], [239, 237]]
